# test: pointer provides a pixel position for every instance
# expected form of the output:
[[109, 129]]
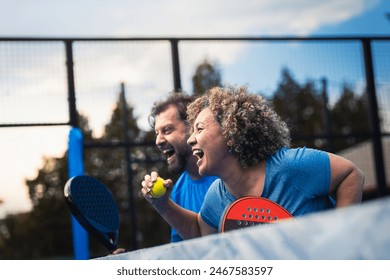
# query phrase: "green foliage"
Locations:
[[350, 118], [304, 108], [45, 232], [301, 107], [206, 76], [108, 164]]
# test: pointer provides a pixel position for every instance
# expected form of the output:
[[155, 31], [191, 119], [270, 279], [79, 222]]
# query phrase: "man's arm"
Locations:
[[184, 221]]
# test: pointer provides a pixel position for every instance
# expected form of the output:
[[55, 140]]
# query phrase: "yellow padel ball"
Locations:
[[158, 189]]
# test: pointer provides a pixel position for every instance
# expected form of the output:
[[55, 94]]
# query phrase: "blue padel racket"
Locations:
[[94, 207], [250, 211]]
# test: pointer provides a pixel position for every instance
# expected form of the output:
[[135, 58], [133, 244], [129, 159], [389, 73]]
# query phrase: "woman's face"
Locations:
[[208, 144]]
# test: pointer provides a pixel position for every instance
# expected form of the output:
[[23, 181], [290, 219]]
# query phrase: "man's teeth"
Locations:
[[169, 153]]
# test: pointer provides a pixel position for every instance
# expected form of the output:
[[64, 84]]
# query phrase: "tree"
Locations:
[[108, 163], [45, 232], [310, 118], [301, 107], [206, 76], [349, 116]]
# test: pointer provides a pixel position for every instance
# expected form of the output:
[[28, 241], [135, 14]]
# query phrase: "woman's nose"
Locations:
[[192, 140]]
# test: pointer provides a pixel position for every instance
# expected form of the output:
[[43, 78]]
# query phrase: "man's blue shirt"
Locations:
[[189, 194]]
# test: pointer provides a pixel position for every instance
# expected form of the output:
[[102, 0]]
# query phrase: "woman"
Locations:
[[239, 138]]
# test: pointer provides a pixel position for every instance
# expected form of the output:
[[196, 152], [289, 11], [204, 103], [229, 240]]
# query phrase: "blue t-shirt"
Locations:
[[189, 194], [297, 179]]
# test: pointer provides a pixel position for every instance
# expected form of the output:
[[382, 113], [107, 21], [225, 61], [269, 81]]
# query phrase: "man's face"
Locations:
[[171, 138]]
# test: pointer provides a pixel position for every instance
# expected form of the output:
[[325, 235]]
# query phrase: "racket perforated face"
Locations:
[[94, 207], [251, 211]]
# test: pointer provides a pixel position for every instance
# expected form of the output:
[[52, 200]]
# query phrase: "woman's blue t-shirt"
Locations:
[[297, 179]]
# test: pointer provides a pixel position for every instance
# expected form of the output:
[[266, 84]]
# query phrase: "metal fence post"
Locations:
[[175, 65], [376, 134], [73, 118]]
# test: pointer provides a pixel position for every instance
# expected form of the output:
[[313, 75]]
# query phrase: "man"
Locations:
[[168, 119], [238, 137]]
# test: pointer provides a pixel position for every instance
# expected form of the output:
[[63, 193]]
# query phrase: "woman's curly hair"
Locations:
[[252, 129]]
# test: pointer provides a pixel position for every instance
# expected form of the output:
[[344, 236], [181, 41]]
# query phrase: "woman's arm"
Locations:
[[347, 181]]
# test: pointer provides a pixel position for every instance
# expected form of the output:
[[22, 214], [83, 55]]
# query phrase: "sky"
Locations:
[[164, 18]]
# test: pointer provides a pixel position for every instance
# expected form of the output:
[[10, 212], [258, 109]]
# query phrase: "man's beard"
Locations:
[[179, 165]]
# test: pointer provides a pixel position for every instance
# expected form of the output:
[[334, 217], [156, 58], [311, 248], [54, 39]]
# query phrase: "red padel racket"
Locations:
[[251, 211]]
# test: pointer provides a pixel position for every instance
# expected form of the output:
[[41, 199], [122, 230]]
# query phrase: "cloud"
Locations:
[[156, 18], [98, 77], [173, 17]]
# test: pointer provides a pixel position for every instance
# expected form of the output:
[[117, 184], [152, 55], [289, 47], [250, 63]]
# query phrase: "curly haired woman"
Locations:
[[239, 138]]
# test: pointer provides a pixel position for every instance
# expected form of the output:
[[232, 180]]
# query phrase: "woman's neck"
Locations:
[[245, 182]]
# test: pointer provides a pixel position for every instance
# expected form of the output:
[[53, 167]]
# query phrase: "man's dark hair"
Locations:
[[178, 99]]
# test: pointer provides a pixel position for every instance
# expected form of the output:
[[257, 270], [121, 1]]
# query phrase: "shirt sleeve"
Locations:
[[313, 164], [209, 210]]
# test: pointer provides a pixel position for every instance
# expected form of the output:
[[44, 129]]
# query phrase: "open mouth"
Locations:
[[198, 153], [169, 153]]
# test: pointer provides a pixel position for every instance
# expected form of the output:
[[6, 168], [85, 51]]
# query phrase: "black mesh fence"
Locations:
[[36, 88], [44, 81]]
